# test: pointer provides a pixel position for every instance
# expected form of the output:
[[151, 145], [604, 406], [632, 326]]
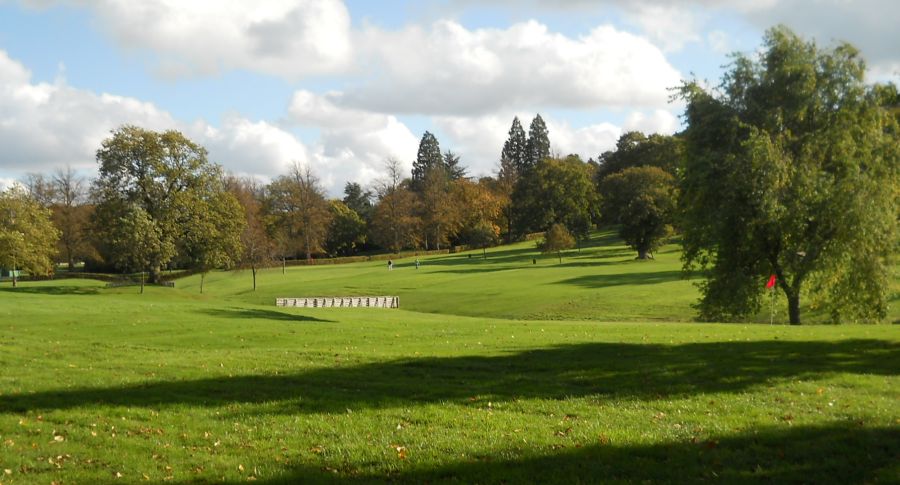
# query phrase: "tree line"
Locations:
[[790, 167]]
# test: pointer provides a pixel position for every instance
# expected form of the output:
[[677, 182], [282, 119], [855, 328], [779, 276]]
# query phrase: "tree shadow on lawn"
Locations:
[[839, 453], [642, 371], [249, 313], [622, 279], [53, 290]]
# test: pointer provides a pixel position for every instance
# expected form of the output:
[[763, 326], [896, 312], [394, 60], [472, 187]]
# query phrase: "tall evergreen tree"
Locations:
[[514, 149], [455, 171], [537, 147], [428, 158]]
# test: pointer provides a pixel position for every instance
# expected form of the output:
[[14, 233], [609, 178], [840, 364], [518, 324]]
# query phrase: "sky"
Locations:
[[341, 86]]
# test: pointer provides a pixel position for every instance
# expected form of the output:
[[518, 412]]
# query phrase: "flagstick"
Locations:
[[772, 312]]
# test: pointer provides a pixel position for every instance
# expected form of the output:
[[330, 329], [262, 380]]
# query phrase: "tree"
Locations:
[[139, 242], [481, 235], [258, 247], [792, 169], [71, 215], [642, 201], [455, 171], [556, 239], [428, 158], [358, 200], [556, 191], [347, 231], [213, 227], [507, 179], [158, 172], [480, 210], [513, 160], [514, 150], [438, 211], [537, 148], [395, 224], [27, 237], [300, 208], [633, 149]]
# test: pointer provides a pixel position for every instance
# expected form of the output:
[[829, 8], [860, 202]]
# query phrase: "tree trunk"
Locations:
[[71, 262], [794, 308], [202, 277], [483, 253], [142, 282], [642, 254], [559, 254], [283, 264], [253, 269]]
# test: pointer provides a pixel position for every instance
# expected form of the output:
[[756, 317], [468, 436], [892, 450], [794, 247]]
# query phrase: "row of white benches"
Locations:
[[341, 302]]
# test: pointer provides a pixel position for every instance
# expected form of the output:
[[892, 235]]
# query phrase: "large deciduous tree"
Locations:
[[301, 211], [792, 169], [556, 191], [347, 232], [138, 242], [27, 236], [212, 228], [162, 174], [633, 149], [258, 247], [395, 223], [641, 200]]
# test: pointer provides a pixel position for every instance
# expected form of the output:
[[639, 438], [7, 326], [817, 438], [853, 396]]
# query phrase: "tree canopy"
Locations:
[[641, 200], [791, 169], [27, 236], [164, 174], [556, 191]]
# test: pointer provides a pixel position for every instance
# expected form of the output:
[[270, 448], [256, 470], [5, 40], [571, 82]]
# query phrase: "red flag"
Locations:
[[771, 282]]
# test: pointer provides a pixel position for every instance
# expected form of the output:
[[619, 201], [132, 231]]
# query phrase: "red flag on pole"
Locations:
[[771, 282]]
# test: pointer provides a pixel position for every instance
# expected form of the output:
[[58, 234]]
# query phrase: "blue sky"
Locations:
[[342, 86]]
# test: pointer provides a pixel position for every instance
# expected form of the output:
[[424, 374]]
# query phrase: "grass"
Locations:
[[492, 371]]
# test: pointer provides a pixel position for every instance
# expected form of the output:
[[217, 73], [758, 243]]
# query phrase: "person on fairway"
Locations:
[[390, 265]]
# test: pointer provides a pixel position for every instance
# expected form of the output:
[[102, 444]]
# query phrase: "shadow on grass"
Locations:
[[830, 454], [260, 314], [621, 279], [648, 372], [53, 290]]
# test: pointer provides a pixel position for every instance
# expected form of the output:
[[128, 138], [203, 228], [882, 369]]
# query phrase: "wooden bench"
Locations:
[[341, 302]]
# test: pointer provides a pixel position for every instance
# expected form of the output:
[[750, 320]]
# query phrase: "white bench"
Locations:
[[341, 302]]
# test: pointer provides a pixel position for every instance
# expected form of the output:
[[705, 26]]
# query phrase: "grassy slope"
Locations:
[[172, 385]]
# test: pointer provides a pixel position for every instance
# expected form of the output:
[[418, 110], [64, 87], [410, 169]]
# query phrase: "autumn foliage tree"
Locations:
[[27, 236]]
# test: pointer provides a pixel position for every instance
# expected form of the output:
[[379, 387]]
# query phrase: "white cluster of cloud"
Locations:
[[288, 38], [449, 69]]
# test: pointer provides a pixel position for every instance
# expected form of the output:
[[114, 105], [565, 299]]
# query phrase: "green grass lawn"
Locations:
[[492, 371]]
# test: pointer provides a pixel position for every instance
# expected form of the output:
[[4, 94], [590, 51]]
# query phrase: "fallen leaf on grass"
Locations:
[[401, 451]]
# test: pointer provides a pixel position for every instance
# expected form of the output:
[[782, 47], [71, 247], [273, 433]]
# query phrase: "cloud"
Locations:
[[353, 142], [659, 121], [448, 69], [287, 38], [44, 126]]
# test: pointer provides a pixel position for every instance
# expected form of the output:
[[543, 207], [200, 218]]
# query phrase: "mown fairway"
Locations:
[[493, 370]]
